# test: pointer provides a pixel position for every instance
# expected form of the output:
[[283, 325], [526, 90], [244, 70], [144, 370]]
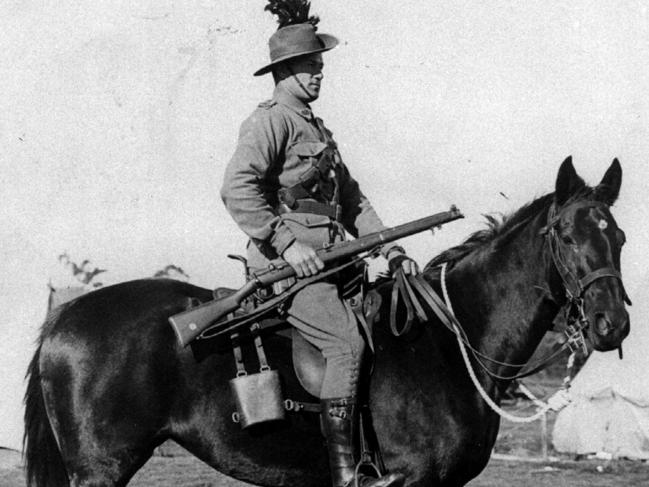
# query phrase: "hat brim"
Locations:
[[328, 41]]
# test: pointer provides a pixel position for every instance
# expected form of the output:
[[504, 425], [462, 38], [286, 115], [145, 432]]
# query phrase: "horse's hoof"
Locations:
[[389, 480]]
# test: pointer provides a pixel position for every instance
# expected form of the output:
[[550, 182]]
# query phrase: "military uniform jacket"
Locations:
[[278, 144]]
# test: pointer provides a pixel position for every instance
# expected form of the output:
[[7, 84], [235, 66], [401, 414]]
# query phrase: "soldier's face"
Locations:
[[304, 77]]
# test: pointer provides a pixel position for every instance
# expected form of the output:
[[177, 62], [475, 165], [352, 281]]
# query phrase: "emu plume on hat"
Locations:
[[296, 35]]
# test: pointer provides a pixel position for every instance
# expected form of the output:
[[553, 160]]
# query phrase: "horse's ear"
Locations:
[[568, 182], [608, 189]]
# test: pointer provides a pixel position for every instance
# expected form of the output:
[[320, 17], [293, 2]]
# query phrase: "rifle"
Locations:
[[191, 323]]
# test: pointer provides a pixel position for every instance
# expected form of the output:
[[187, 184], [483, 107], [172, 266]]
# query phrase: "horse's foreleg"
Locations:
[[109, 472]]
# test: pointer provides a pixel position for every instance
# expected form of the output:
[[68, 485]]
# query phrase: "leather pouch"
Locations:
[[258, 398]]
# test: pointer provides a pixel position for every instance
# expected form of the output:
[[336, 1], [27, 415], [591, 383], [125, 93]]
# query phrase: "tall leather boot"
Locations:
[[339, 422]]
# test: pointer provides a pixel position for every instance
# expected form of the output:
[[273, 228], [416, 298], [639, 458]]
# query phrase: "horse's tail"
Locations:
[[43, 462]]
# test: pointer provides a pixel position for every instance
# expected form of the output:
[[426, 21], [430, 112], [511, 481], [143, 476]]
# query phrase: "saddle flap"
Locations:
[[372, 306]]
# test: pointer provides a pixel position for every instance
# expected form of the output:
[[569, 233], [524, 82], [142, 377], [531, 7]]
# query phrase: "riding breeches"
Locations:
[[328, 323]]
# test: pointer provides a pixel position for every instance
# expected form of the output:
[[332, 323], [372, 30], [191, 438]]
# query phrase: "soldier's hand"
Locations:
[[398, 260], [303, 259]]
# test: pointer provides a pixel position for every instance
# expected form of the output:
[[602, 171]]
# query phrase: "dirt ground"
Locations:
[[186, 471]]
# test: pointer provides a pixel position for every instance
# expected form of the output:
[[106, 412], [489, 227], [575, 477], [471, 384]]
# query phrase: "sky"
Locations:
[[117, 120]]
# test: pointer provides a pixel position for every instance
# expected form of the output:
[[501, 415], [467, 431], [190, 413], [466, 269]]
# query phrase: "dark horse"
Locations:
[[109, 382]]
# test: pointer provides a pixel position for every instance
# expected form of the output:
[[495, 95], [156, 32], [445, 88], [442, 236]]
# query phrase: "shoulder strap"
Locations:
[[267, 104]]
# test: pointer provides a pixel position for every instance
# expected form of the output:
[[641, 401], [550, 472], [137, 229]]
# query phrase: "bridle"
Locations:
[[574, 288], [574, 285], [411, 289]]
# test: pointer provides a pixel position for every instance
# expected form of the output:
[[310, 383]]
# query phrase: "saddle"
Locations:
[[258, 396], [308, 362]]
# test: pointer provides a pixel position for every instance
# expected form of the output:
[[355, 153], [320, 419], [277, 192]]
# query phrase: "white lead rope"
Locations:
[[557, 402]]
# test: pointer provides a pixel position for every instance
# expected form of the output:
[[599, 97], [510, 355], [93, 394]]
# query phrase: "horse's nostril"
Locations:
[[602, 324], [626, 325]]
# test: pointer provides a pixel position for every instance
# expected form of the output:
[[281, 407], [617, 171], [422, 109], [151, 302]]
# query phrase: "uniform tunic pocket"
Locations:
[[310, 229], [313, 172]]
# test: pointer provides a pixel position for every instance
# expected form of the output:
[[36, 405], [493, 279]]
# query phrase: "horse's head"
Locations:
[[585, 244]]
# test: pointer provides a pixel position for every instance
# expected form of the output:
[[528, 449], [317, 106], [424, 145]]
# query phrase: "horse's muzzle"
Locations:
[[608, 328]]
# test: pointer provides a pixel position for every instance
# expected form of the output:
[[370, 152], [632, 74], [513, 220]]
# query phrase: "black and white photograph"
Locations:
[[324, 243]]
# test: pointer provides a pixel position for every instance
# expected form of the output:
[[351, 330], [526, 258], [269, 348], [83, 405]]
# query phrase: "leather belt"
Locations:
[[313, 207]]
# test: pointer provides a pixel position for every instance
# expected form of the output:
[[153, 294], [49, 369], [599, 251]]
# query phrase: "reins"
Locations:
[[411, 287], [543, 407]]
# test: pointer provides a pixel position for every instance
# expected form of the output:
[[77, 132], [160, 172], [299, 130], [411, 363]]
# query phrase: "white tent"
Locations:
[[610, 408]]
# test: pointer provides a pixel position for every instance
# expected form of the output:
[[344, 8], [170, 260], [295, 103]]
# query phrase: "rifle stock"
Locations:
[[191, 323]]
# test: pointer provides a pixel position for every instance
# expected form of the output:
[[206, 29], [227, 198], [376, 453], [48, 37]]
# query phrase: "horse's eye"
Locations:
[[621, 237]]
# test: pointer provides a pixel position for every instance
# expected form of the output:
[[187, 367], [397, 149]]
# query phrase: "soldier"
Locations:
[[288, 189]]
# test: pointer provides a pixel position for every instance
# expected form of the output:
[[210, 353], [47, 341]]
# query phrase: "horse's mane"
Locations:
[[501, 230]]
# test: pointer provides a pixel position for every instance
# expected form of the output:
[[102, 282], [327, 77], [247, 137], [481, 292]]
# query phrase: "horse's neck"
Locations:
[[503, 300]]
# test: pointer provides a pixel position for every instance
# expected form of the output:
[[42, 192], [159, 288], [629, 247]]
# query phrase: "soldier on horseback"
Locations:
[[288, 189]]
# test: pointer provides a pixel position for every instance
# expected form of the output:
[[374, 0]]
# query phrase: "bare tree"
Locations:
[[172, 272], [82, 272]]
